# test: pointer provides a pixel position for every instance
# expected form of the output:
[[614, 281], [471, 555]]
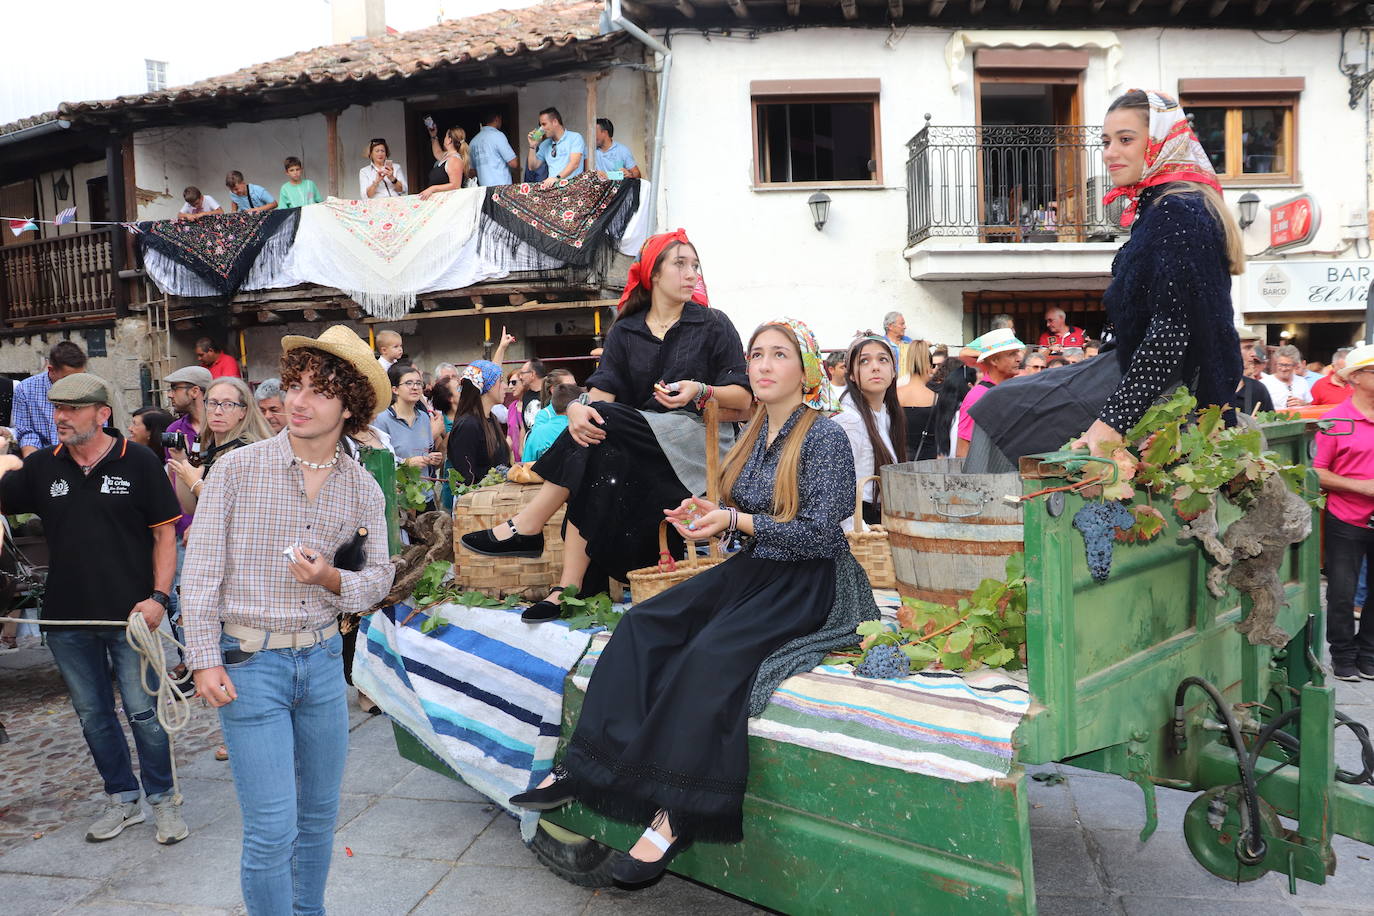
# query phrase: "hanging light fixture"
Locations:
[[820, 208], [61, 187]]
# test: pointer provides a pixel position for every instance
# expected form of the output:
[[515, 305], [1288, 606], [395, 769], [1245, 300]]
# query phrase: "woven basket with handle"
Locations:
[[650, 580], [870, 545], [499, 576]]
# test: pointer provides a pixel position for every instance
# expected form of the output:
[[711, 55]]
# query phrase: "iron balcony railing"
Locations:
[[1009, 183]]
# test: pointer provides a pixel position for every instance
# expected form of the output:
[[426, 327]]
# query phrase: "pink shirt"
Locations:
[[1349, 456], [966, 421]]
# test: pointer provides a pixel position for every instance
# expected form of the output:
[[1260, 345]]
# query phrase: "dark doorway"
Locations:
[[98, 199], [467, 116]]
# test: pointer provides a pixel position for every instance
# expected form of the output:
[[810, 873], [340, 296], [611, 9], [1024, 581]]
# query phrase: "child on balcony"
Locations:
[[298, 190]]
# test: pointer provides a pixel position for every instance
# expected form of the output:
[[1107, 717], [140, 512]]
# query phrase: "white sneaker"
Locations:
[[117, 816], [170, 827]]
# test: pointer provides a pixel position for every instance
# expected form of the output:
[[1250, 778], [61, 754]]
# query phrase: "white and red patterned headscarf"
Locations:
[[1173, 153]]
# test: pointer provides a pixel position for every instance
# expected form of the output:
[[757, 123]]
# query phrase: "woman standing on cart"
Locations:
[[1169, 300], [663, 735], [634, 442]]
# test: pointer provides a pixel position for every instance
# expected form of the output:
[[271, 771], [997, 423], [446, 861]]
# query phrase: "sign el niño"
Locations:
[[1307, 286]]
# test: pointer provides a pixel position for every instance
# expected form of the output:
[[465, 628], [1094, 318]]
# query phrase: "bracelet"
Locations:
[[734, 520], [585, 399], [704, 394], [198, 483]]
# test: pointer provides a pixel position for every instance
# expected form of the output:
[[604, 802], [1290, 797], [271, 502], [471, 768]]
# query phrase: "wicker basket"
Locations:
[[499, 576], [649, 581], [870, 545]]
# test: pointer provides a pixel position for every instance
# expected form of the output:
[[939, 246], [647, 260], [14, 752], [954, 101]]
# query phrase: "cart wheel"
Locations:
[[573, 858], [1211, 828]]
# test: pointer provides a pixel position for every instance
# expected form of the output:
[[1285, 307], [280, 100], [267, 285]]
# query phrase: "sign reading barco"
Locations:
[[1308, 286]]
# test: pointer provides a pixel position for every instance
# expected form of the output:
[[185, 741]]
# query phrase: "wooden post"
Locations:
[[114, 181], [331, 124], [590, 136]]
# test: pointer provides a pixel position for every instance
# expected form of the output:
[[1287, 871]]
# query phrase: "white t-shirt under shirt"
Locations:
[[368, 174], [852, 422], [1280, 392], [207, 204]]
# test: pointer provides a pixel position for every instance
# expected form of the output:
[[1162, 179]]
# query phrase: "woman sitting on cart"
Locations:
[[663, 734], [635, 440], [1169, 300]]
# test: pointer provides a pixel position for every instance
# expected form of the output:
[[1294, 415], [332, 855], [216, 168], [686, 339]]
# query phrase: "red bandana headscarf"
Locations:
[[1173, 153], [641, 272]]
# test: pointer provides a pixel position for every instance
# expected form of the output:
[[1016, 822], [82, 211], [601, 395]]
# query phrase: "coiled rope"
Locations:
[[173, 707]]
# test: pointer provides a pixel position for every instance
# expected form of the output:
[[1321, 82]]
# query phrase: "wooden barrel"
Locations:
[[949, 530]]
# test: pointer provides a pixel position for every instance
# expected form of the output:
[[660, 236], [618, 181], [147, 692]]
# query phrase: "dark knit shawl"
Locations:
[[1175, 262]]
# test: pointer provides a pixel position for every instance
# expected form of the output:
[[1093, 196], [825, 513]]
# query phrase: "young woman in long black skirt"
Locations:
[[663, 735], [634, 441]]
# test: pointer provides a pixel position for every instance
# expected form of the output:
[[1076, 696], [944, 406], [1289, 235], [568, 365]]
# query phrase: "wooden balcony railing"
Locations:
[[71, 277]]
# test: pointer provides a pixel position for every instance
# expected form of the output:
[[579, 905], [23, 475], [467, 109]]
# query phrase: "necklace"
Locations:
[[86, 468], [338, 450]]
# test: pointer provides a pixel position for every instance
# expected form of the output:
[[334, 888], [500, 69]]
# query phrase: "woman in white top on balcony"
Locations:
[[380, 177]]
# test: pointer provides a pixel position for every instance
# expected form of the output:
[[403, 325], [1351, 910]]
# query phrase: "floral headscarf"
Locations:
[[816, 384], [641, 271], [483, 374], [1173, 153]]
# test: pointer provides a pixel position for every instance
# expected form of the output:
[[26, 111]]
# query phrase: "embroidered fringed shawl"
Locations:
[[386, 250], [214, 255], [571, 221]]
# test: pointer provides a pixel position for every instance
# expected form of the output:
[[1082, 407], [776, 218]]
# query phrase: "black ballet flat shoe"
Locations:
[[543, 611], [530, 546], [634, 873], [555, 795]]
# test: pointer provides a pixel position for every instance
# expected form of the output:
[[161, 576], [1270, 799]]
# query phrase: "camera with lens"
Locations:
[[178, 441]]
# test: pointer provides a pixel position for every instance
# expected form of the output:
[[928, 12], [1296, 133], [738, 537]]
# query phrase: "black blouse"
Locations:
[[703, 346], [467, 449]]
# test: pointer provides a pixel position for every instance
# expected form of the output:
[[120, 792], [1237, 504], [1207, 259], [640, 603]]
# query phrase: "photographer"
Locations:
[[1345, 466], [234, 420]]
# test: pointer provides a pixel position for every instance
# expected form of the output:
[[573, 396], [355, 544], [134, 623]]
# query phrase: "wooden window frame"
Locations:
[[809, 91], [1233, 103]]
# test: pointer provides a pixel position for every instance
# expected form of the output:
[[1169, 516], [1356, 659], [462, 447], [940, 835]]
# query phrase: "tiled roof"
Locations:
[[490, 36]]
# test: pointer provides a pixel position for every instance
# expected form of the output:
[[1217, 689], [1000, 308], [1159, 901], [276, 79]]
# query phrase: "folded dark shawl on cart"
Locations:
[[571, 221], [220, 250]]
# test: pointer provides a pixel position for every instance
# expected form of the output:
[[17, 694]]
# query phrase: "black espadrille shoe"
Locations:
[[517, 545], [555, 795]]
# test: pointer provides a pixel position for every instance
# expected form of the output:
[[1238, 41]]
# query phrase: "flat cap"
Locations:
[[191, 375], [81, 389]]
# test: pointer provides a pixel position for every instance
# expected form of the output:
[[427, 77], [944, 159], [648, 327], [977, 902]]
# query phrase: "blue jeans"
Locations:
[[84, 658], [287, 735], [1362, 587]]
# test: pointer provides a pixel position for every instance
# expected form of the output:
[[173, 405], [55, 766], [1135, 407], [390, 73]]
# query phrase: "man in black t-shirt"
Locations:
[[108, 511]]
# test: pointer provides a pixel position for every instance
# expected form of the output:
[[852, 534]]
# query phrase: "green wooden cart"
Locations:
[[1105, 663]]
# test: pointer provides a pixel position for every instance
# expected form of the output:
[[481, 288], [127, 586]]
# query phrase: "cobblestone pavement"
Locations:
[[412, 842]]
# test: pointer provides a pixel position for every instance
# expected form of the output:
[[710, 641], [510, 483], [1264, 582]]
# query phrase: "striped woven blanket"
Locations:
[[484, 693], [938, 723]]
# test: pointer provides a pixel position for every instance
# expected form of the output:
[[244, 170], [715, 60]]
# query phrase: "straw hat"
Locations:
[[1362, 357], [340, 341], [993, 342]]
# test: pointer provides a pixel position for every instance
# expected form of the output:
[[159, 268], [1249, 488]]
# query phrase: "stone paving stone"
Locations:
[[1118, 804], [1048, 905], [230, 826], [1185, 906], [1051, 805], [1135, 869], [198, 871], [34, 895], [364, 885], [423, 782], [674, 896], [65, 852], [416, 829], [100, 906], [1063, 866], [1351, 886], [481, 890], [205, 801], [500, 844], [373, 765]]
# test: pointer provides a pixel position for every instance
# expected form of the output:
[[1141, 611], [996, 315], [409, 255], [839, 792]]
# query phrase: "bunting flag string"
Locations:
[[20, 226]]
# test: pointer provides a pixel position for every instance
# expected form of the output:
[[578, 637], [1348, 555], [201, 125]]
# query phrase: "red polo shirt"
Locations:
[[225, 365], [1326, 391], [1349, 456], [1073, 337]]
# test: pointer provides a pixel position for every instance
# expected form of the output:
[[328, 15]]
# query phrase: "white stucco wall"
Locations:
[[760, 253]]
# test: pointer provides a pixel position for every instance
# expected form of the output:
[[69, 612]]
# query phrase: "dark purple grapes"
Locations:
[[1099, 522], [885, 660]]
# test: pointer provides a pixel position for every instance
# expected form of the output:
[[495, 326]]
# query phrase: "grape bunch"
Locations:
[[884, 660], [1098, 522]]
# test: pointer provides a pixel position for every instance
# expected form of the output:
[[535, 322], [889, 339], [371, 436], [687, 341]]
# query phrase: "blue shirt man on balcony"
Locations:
[[492, 155], [249, 197], [33, 418], [562, 150], [613, 160]]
